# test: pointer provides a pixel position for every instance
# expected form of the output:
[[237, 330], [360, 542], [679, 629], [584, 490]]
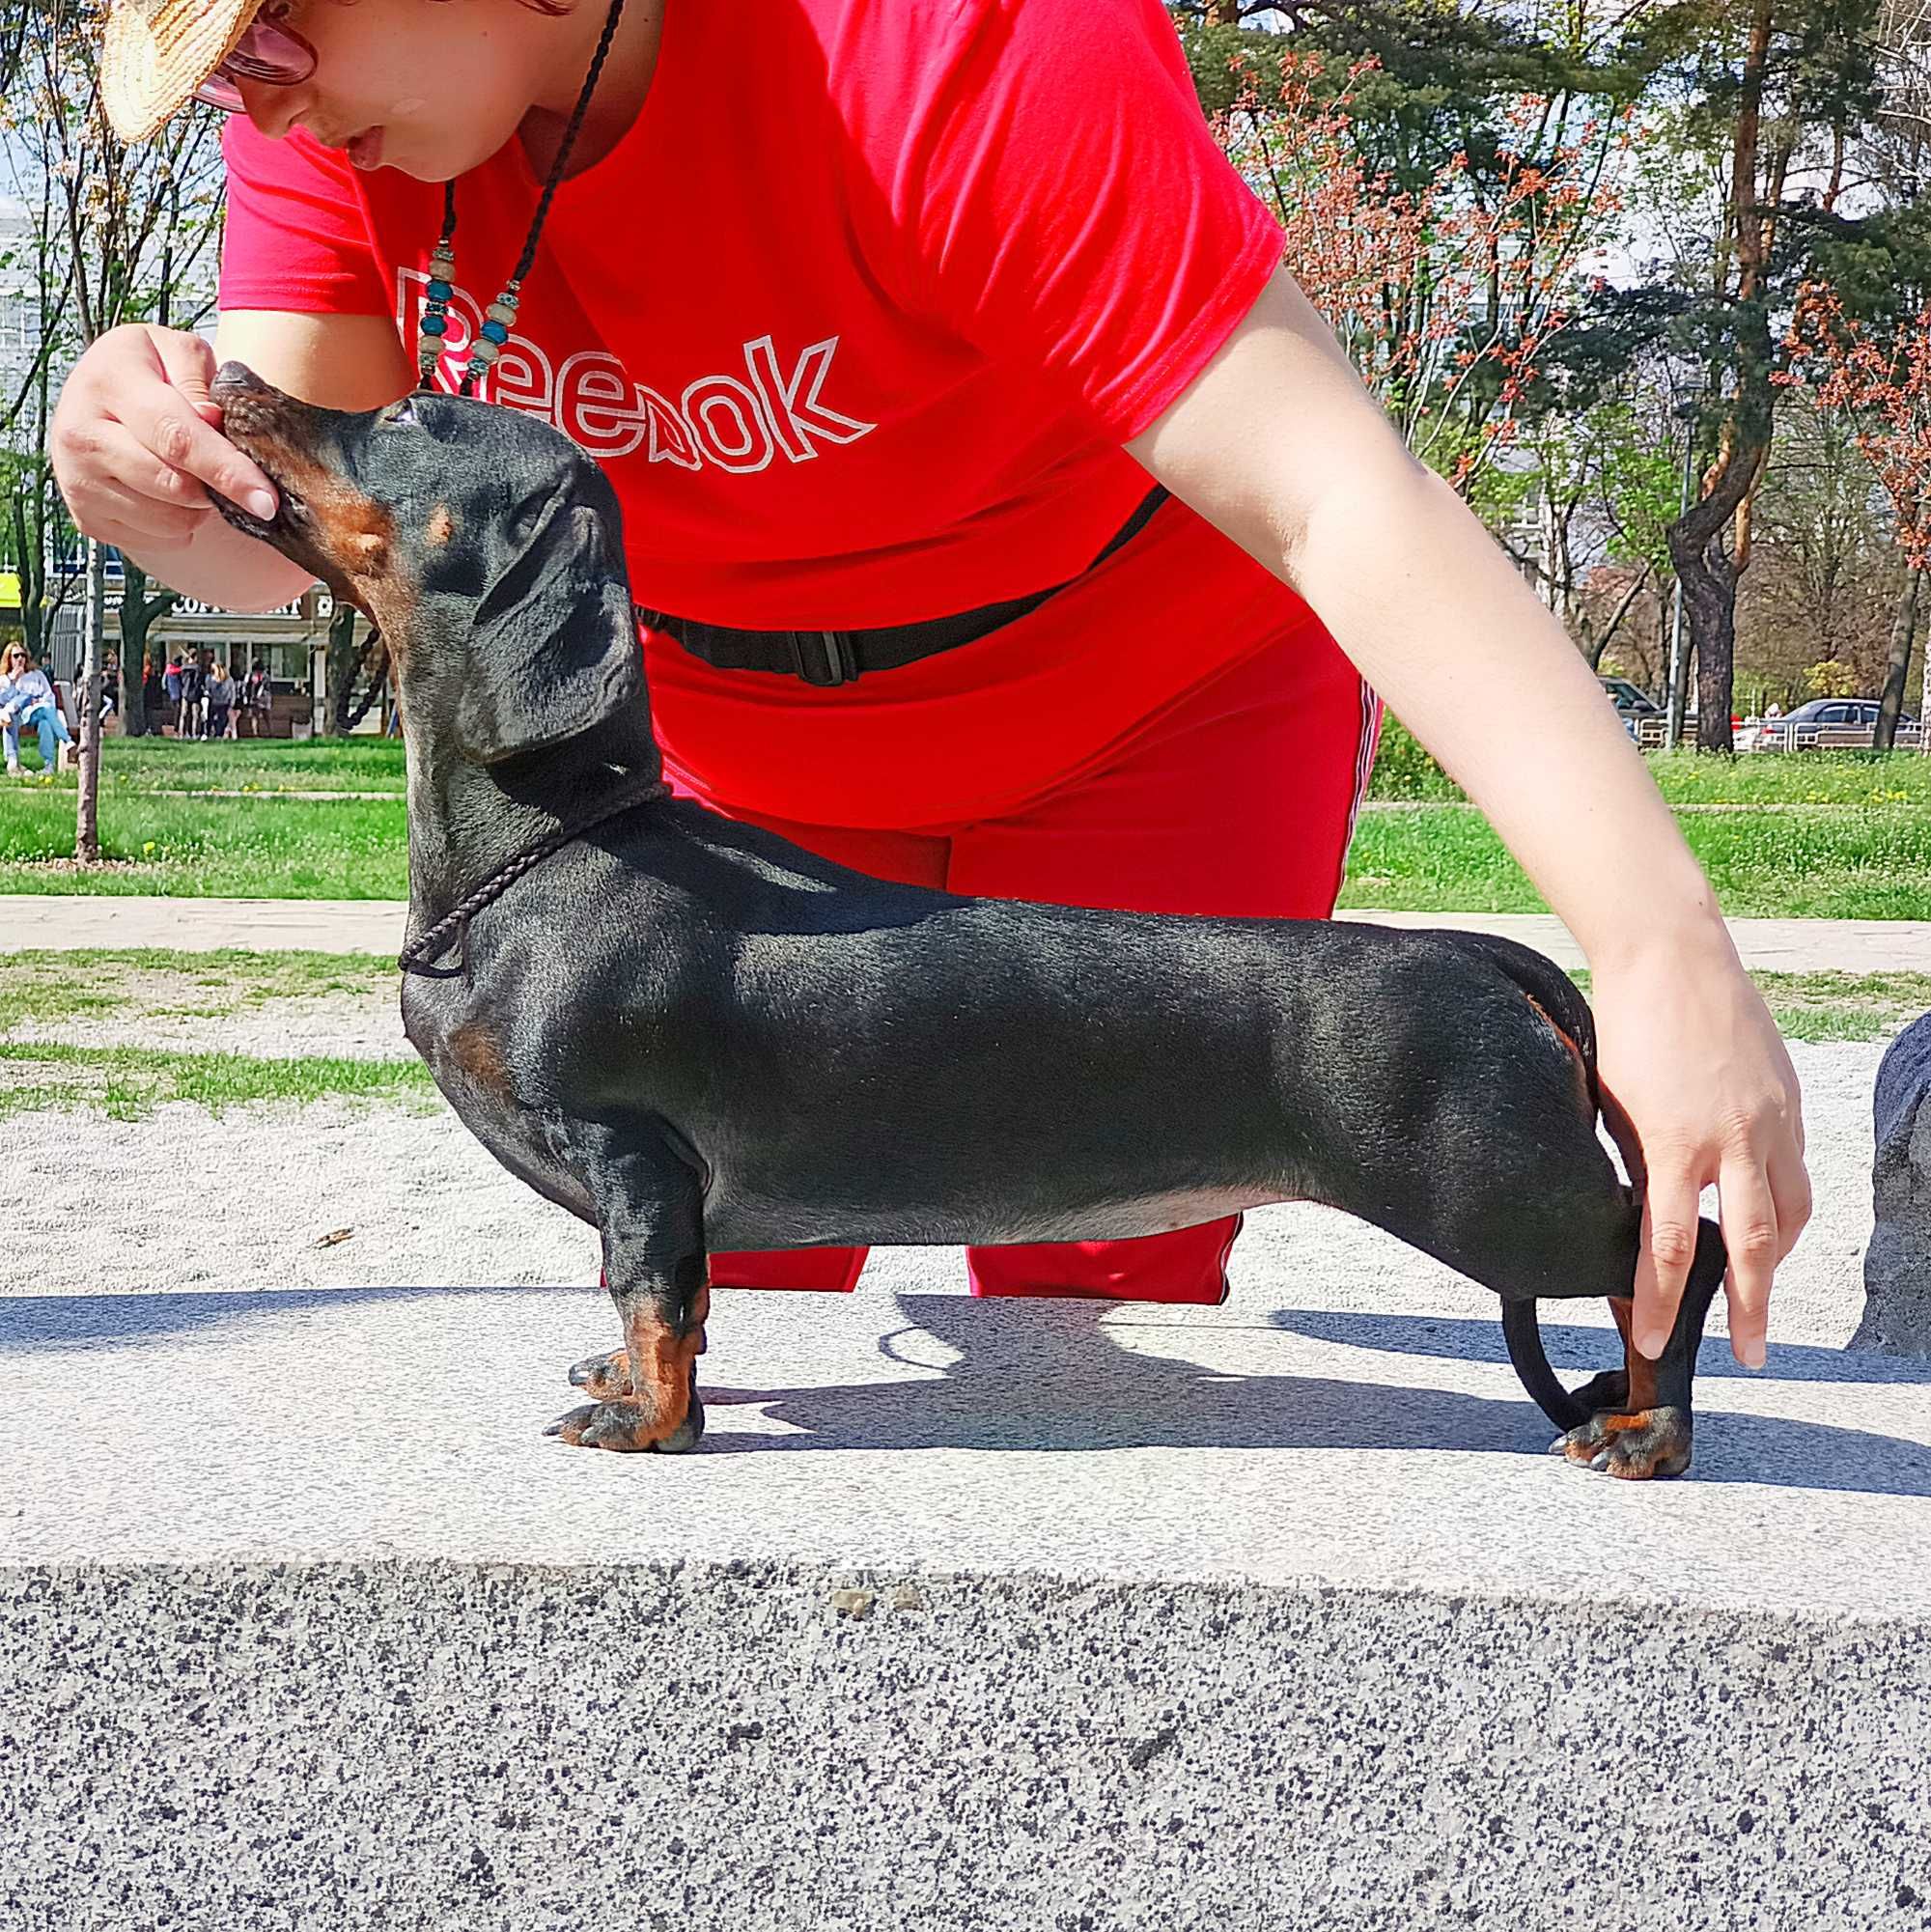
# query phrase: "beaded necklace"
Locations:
[[501, 314]]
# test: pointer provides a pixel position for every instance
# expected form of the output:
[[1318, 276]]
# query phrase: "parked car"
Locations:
[[1797, 729], [1632, 702]]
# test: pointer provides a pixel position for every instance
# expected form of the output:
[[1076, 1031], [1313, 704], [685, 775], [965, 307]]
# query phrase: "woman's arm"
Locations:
[[1278, 444]]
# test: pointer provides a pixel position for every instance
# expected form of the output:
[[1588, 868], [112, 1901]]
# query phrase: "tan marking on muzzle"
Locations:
[[353, 531], [442, 526]]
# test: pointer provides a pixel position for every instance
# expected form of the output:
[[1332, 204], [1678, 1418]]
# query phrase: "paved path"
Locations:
[[67, 922], [966, 1613]]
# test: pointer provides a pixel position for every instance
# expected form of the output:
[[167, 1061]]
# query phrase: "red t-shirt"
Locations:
[[856, 317]]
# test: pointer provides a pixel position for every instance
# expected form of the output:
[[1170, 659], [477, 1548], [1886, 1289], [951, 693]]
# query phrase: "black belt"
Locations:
[[837, 657]]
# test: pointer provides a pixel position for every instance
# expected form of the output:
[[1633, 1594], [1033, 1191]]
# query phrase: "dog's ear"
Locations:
[[554, 648]]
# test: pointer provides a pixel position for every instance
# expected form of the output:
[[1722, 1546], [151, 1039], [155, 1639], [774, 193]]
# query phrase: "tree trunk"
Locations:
[[139, 614], [1897, 671], [133, 693], [345, 658], [1708, 563], [87, 687]]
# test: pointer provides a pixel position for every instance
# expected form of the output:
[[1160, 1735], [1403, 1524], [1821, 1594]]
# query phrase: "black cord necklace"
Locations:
[[453, 925], [501, 315]]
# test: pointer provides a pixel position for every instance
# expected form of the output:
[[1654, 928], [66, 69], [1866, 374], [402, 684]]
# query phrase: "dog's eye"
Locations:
[[402, 414]]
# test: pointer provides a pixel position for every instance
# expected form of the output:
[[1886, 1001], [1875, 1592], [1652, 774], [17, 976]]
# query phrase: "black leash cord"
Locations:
[[415, 956]]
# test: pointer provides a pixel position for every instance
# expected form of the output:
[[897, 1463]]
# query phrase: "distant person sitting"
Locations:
[[27, 700], [220, 697], [193, 695]]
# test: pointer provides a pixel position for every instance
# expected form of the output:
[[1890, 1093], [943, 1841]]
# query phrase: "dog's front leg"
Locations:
[[651, 1209], [1642, 1424]]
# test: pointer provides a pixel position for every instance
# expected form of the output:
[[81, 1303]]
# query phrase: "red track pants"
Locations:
[[1237, 799]]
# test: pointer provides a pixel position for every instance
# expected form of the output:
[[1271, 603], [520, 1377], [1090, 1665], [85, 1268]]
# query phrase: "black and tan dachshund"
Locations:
[[696, 1036]]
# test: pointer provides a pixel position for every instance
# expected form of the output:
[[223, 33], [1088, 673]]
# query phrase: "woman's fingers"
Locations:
[[1669, 1218], [166, 423], [1790, 1190], [188, 364], [123, 468], [133, 442], [1751, 1237]]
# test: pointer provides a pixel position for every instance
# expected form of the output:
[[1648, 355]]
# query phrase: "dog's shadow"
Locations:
[[1053, 1377], [1084, 1376]]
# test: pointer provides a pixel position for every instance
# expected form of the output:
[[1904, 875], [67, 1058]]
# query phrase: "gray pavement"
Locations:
[[72, 920], [966, 1614]]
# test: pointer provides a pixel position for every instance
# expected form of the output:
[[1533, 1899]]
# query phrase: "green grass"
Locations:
[[1404, 773], [1866, 778], [1836, 1005], [129, 1082], [140, 982], [1853, 839], [219, 848], [267, 764], [1867, 862], [1844, 1005]]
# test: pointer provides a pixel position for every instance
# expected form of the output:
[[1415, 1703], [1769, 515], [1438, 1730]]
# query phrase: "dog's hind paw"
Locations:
[[1651, 1442], [1609, 1389], [605, 1377], [626, 1426]]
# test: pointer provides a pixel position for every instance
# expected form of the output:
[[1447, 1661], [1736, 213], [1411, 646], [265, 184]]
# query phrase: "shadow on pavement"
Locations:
[[1043, 1377]]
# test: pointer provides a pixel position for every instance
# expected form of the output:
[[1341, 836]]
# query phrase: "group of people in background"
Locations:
[[205, 700], [210, 703]]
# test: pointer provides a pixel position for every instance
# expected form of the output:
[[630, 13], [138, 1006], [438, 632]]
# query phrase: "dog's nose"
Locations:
[[237, 379]]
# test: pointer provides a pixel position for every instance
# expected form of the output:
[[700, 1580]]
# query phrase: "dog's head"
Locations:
[[485, 545]]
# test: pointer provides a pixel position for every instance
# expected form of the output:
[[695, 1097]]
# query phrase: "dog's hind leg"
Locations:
[[651, 1212], [1648, 1433]]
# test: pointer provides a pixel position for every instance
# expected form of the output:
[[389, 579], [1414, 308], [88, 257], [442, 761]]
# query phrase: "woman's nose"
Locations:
[[275, 110]]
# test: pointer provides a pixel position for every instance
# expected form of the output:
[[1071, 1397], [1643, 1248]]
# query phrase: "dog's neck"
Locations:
[[467, 821]]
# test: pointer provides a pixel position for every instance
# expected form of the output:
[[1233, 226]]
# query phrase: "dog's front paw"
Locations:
[[1651, 1442], [629, 1425]]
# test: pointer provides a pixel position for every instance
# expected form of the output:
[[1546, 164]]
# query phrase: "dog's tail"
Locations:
[[1560, 1002]]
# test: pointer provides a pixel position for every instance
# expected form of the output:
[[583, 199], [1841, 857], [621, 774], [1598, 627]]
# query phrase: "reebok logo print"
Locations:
[[731, 422]]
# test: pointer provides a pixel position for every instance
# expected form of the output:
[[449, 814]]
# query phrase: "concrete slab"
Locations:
[[1270, 1443], [986, 1615], [966, 1614], [72, 920]]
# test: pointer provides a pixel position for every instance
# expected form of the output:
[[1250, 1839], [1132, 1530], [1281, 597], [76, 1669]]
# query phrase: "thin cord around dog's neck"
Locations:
[[453, 925]]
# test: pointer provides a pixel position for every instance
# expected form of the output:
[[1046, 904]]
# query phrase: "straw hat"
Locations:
[[155, 53]]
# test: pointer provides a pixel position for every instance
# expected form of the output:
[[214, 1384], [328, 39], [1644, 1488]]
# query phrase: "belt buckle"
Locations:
[[822, 658]]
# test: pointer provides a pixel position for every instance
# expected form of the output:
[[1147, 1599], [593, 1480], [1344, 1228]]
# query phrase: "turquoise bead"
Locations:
[[495, 331], [441, 292], [436, 325]]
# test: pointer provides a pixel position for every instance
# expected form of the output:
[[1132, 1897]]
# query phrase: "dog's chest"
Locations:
[[468, 1059]]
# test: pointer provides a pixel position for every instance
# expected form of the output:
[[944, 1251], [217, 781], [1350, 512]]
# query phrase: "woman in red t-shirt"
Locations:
[[887, 314]]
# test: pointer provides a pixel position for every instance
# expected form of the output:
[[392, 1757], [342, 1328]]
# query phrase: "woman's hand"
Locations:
[[134, 446], [1687, 1045]]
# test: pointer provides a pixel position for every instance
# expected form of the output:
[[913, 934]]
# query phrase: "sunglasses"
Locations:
[[268, 53]]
